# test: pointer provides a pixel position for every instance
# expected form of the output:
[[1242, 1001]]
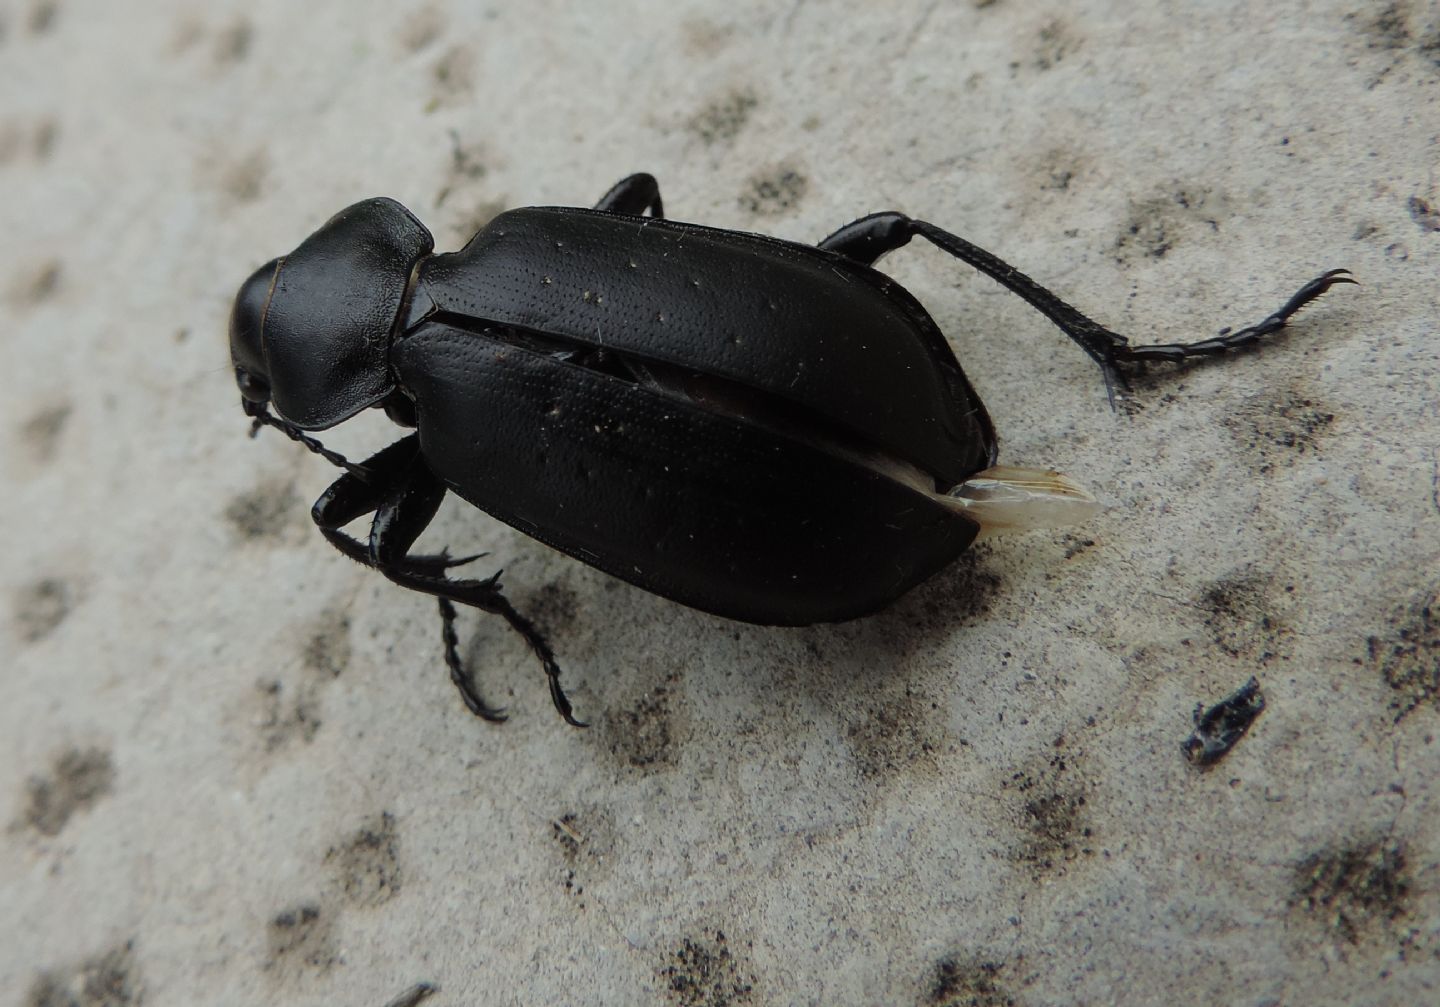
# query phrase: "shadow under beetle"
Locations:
[[769, 431]]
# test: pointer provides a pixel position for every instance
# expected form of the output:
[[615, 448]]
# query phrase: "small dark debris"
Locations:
[[78, 779], [969, 984], [568, 836], [107, 980], [704, 973], [1354, 888], [1220, 728], [723, 118], [1424, 213], [41, 607]]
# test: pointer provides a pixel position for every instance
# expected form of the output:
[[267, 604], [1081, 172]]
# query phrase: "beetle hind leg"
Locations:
[[868, 238], [633, 195], [1228, 341]]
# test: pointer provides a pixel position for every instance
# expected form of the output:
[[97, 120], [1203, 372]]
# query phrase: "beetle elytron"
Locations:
[[769, 431]]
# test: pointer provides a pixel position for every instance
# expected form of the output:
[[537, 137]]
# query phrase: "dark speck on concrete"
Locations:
[[722, 119], [1241, 614], [110, 979], [234, 42], [76, 781], [42, 431], [40, 607], [327, 649], [774, 192], [644, 735], [265, 512], [1053, 821], [1425, 214], [1054, 43], [301, 939], [1352, 891], [703, 972], [243, 179], [42, 16], [968, 983], [453, 74], [366, 863], [39, 284], [1408, 655], [894, 737]]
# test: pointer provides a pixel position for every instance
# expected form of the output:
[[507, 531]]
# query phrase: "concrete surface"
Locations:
[[234, 771]]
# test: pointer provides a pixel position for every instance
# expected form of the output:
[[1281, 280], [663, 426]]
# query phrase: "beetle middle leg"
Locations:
[[403, 494], [868, 238], [633, 194]]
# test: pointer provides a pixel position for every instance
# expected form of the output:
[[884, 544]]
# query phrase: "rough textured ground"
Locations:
[[232, 770]]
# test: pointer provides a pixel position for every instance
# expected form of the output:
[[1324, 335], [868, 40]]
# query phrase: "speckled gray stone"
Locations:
[[234, 771]]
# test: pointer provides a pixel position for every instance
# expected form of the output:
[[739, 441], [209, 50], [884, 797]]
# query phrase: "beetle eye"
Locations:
[[252, 388]]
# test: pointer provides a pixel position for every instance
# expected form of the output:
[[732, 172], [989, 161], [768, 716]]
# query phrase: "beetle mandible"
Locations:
[[765, 430]]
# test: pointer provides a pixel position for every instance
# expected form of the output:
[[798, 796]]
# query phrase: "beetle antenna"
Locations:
[[261, 416]]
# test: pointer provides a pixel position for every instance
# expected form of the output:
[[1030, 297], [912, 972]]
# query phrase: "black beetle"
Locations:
[[769, 431]]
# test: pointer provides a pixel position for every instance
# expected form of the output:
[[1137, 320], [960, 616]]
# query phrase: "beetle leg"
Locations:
[[1228, 341], [486, 596], [866, 239], [633, 194], [404, 495], [351, 497]]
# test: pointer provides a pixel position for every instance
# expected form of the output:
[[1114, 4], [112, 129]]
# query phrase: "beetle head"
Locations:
[[310, 331], [247, 320]]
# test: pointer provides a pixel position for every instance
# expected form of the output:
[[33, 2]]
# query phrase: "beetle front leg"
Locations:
[[353, 496], [633, 194], [868, 238], [404, 495]]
